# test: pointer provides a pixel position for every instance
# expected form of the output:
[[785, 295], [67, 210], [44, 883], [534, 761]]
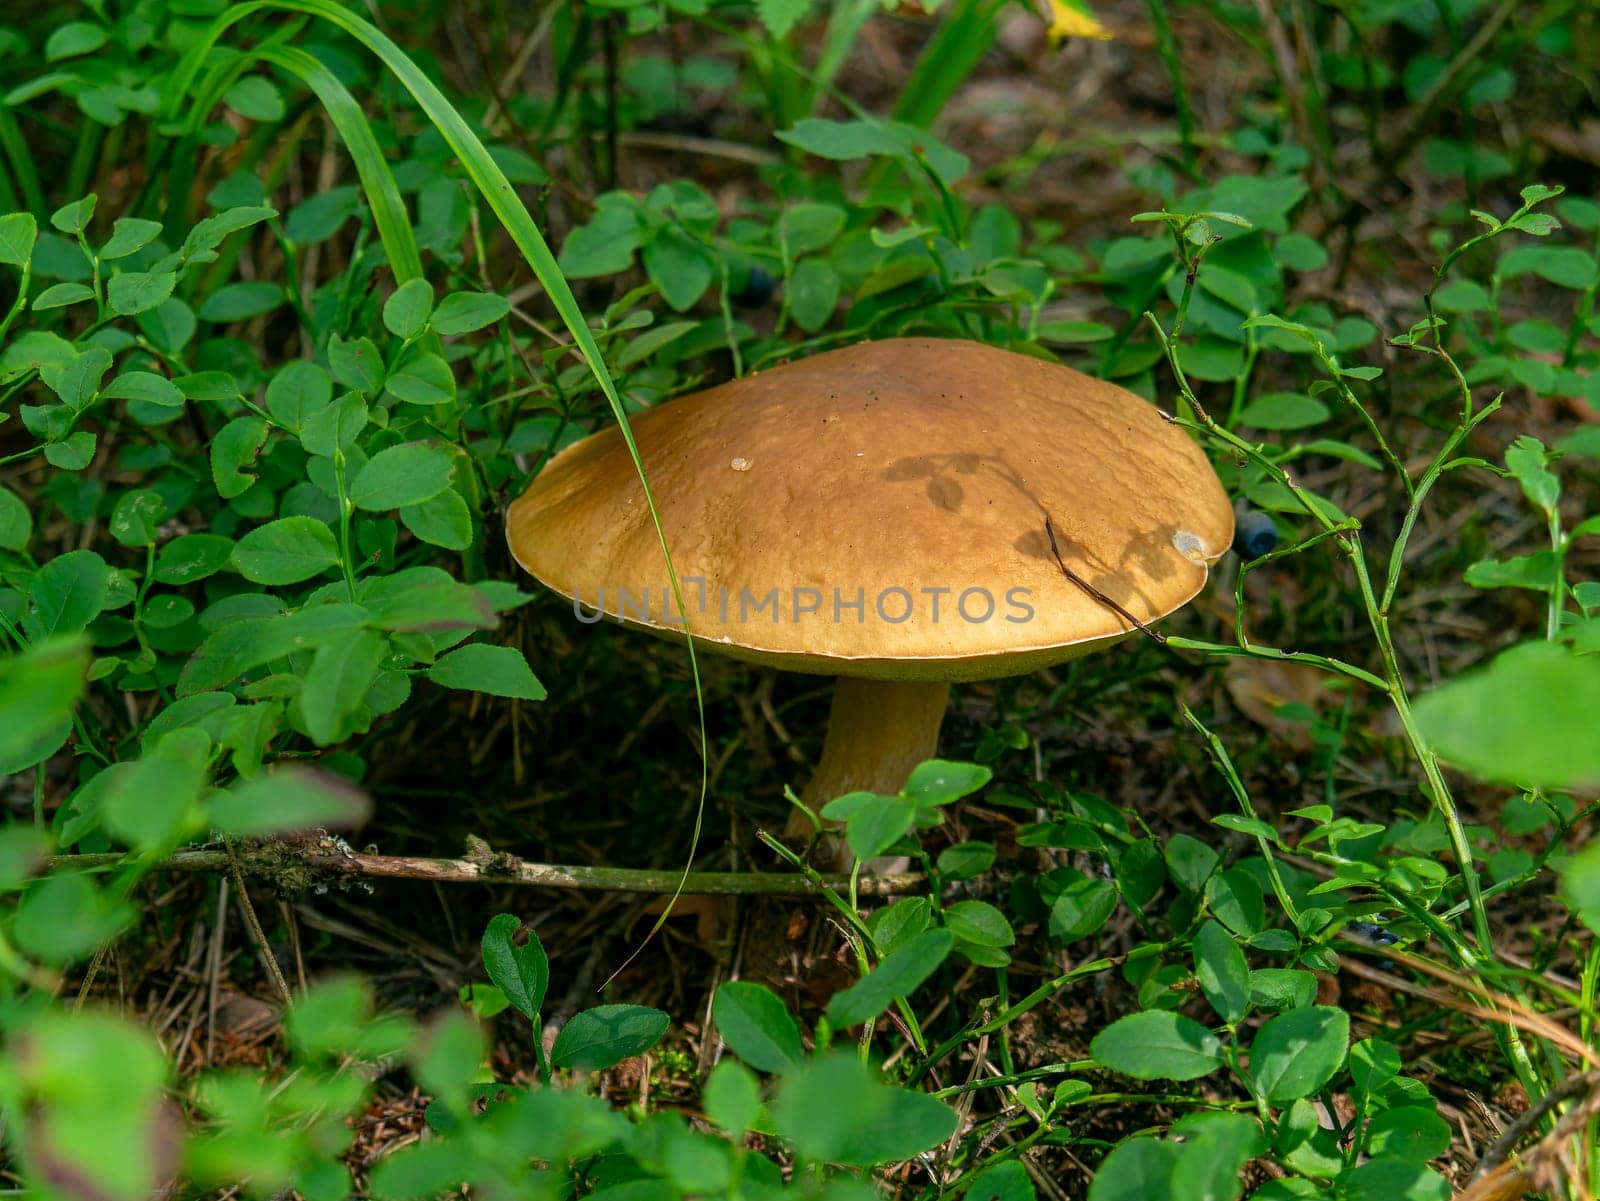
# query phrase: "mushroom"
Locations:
[[901, 514]]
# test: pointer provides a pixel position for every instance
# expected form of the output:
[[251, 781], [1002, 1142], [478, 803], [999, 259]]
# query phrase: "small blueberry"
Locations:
[[757, 289], [1373, 932], [1254, 534]]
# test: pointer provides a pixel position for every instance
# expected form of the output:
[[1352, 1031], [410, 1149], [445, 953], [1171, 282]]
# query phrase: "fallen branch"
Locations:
[[295, 865]]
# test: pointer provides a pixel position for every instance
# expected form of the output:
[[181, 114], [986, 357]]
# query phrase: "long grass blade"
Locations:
[[518, 223], [22, 168], [377, 181], [949, 58]]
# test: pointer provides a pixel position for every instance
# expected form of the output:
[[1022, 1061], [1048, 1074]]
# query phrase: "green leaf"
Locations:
[[73, 453], [837, 1111], [1526, 719], [447, 1055], [62, 917], [297, 392], [679, 266], [813, 293], [1580, 882], [809, 226], [1411, 1132], [1564, 266], [407, 474], [1157, 1045], [16, 522], [419, 600], [234, 448], [18, 233], [521, 972], [756, 1026], [209, 385], [38, 689], [1216, 1147], [128, 235], [980, 923], [240, 302], [900, 974], [286, 551], [356, 364], [780, 16], [1279, 988], [427, 1169], [463, 312], [1298, 252], [77, 380], [1283, 411], [497, 670], [134, 292], [1082, 907], [335, 427], [74, 217], [1070, 333], [646, 344], [1007, 1180], [406, 312], [73, 39], [966, 860], [422, 378], [1540, 571], [604, 1036], [1235, 898], [1224, 975], [136, 519], [1393, 1180], [145, 386], [1190, 861], [1298, 1052], [208, 234], [1526, 459], [319, 217], [1140, 872], [153, 804], [872, 823], [443, 521], [22, 853], [341, 672], [732, 1098], [256, 98], [604, 246], [939, 781], [65, 595], [484, 1001], [846, 140], [191, 557], [1537, 337], [61, 295], [1139, 1169], [241, 646]]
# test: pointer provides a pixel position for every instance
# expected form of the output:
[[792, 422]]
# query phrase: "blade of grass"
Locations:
[[388, 208], [844, 27], [377, 181], [949, 58], [518, 223], [202, 97], [22, 168]]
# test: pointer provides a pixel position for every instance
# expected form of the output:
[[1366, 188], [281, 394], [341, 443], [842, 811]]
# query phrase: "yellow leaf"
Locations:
[[1072, 19]]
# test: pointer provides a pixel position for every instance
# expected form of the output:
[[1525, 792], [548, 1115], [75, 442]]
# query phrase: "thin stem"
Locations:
[[346, 509], [482, 866]]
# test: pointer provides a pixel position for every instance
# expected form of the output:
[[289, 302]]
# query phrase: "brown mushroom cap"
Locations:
[[882, 473]]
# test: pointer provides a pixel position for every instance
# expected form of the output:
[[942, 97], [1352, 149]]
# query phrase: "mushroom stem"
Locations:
[[878, 730]]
